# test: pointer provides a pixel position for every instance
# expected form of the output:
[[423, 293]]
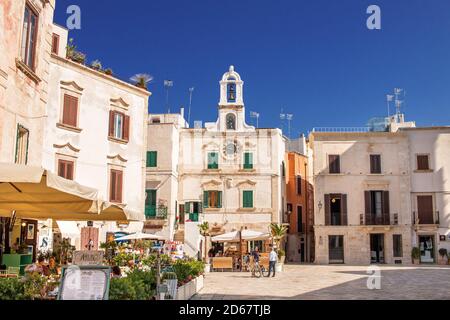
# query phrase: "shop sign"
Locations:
[[88, 258]]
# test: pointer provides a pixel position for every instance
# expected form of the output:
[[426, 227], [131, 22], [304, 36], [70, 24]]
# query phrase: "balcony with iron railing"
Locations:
[[431, 218], [156, 212], [369, 219]]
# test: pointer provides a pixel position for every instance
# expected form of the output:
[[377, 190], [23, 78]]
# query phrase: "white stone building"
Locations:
[[362, 197], [430, 189], [95, 134], [229, 174]]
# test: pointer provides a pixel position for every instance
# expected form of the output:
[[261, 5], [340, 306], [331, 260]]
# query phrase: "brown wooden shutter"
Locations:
[[61, 169], [66, 109], [368, 207], [126, 128], [327, 210], [74, 112], [344, 215], [386, 208], [111, 124], [119, 186], [112, 187], [375, 163], [69, 170], [55, 43], [70, 110], [423, 162], [334, 163], [425, 209]]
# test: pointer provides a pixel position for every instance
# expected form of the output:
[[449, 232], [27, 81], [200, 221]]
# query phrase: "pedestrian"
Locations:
[[273, 258]]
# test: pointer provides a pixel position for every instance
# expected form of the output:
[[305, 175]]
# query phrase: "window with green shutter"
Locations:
[[247, 199], [152, 159], [213, 160], [248, 160]]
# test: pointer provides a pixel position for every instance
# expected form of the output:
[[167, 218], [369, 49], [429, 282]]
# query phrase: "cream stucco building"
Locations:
[[227, 173], [362, 193], [430, 189], [95, 134]]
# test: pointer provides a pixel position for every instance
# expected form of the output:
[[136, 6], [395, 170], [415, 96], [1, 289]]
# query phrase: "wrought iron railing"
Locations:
[[430, 220], [156, 213], [369, 219], [342, 129]]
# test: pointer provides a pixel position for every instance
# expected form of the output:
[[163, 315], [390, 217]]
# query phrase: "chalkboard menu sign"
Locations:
[[84, 283]]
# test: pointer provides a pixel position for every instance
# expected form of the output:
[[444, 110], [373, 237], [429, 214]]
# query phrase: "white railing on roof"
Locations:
[[341, 129]]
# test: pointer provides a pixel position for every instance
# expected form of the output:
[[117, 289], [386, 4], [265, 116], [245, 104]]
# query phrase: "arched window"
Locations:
[[231, 92], [231, 121]]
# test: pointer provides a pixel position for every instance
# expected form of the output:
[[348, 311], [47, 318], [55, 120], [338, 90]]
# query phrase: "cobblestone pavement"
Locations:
[[306, 282]]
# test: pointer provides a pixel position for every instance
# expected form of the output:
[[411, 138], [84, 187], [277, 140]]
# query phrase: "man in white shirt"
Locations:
[[273, 258]]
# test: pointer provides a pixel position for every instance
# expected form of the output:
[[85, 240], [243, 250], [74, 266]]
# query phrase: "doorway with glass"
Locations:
[[426, 245], [377, 248]]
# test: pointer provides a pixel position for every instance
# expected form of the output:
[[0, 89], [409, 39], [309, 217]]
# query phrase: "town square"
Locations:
[[176, 151]]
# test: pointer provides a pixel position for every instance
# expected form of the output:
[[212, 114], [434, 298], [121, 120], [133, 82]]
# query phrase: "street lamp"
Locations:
[[320, 205]]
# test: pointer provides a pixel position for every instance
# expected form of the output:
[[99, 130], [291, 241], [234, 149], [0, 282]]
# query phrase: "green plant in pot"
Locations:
[[415, 255], [278, 233], [141, 80], [73, 54], [96, 65]]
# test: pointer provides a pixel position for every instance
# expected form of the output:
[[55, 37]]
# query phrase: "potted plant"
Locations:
[[109, 72], [443, 256], [73, 54], [415, 255], [141, 80], [278, 233], [96, 65]]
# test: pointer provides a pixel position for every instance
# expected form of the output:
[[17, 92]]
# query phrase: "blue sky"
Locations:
[[315, 59]]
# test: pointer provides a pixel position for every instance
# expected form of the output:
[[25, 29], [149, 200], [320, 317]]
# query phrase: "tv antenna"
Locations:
[[389, 99], [289, 118], [191, 91], [255, 115], [167, 85]]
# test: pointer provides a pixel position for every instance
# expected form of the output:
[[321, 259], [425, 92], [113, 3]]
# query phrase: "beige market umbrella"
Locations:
[[34, 193], [140, 236]]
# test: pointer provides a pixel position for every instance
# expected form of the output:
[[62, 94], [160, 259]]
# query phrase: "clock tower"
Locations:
[[231, 105]]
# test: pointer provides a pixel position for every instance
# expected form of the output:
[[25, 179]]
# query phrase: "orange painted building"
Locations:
[[299, 209]]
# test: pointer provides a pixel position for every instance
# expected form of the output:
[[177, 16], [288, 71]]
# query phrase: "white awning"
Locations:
[[68, 229], [247, 235]]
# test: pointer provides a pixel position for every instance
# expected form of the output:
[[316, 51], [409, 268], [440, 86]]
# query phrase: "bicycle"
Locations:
[[259, 270]]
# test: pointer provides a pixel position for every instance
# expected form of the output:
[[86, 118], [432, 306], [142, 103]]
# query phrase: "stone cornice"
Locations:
[[72, 84], [88, 71], [68, 145]]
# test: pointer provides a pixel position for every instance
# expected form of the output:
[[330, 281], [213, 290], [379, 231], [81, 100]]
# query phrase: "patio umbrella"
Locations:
[[34, 193], [140, 236], [237, 236]]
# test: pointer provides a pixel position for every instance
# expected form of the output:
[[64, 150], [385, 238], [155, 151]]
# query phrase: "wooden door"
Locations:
[[89, 238]]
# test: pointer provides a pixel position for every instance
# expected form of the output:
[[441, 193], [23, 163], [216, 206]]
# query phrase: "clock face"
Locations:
[[231, 149]]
